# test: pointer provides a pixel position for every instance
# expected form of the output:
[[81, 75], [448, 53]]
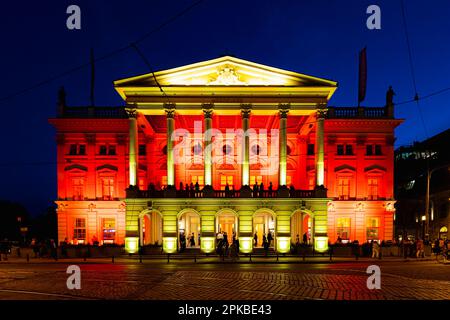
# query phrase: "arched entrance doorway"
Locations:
[[150, 228], [227, 224], [263, 226], [301, 227], [189, 228], [443, 233]]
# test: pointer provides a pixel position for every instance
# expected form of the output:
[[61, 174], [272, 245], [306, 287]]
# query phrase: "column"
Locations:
[[170, 114], [207, 113], [320, 164], [245, 113], [282, 172], [133, 146]]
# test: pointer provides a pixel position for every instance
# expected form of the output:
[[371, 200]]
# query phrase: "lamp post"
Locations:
[[427, 196]]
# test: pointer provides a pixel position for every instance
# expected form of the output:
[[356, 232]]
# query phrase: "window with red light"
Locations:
[[79, 230], [343, 188], [372, 228], [372, 188], [343, 226], [109, 230], [108, 188], [78, 188]]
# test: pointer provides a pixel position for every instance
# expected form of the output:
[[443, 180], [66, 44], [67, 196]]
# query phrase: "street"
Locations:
[[246, 281]]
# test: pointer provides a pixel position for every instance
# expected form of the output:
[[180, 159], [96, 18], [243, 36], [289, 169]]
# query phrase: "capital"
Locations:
[[283, 109], [208, 109], [246, 109], [131, 111], [321, 111], [169, 108]]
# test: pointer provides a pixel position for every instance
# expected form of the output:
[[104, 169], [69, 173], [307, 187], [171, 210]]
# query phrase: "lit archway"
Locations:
[[150, 228], [301, 227], [227, 224], [443, 233], [189, 227], [264, 223]]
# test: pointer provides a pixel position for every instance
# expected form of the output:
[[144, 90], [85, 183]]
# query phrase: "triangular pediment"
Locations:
[[225, 71]]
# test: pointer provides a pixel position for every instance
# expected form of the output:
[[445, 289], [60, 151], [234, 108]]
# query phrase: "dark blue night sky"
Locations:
[[320, 38]]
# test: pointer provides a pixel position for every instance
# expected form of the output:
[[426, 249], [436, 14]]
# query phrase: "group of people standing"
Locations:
[[183, 241], [266, 240], [223, 247]]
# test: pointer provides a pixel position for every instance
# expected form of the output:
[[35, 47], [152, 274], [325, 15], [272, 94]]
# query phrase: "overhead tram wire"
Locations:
[[411, 65], [105, 56], [144, 58]]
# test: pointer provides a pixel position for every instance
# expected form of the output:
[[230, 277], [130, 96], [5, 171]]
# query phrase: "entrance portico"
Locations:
[[247, 112]]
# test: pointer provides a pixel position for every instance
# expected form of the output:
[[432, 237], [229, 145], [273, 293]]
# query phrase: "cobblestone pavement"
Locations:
[[337, 281]]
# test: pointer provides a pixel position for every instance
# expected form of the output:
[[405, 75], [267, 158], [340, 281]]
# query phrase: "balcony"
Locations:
[[357, 113], [183, 194], [94, 112]]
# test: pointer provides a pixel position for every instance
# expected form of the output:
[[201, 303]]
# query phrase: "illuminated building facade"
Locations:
[[185, 154]]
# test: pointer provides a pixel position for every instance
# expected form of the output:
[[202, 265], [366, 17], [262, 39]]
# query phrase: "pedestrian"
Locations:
[[192, 240], [270, 189], [255, 239], [227, 190], [261, 190], [375, 249], [265, 245], [269, 238], [305, 238], [35, 246], [255, 190], [420, 253]]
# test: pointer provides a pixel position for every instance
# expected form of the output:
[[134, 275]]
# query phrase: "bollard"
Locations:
[[277, 257], [140, 259], [195, 258], [28, 257], [168, 257], [250, 257], [112, 259]]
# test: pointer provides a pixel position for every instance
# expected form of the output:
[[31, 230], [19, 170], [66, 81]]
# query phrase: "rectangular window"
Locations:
[[311, 182], [78, 189], [343, 228], [77, 149], [224, 180], [141, 183], [199, 179], [343, 188], [109, 230], [288, 180], [73, 149], [79, 230], [310, 149], [102, 150], [378, 150], [340, 150], [372, 188], [255, 179], [111, 150], [142, 150], [372, 228], [369, 150], [108, 188], [82, 149], [348, 150]]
